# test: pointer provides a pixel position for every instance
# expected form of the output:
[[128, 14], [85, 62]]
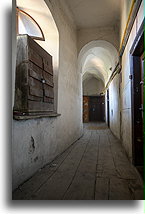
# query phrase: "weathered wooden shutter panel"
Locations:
[[48, 91], [48, 65], [48, 78], [34, 78], [35, 71], [35, 87], [35, 57]]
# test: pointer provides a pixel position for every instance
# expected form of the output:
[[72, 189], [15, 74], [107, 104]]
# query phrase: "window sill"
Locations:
[[35, 116]]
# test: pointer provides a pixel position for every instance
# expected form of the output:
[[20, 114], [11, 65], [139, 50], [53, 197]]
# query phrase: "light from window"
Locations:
[[27, 25]]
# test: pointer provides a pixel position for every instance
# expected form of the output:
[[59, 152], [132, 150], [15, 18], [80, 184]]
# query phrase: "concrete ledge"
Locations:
[[34, 116]]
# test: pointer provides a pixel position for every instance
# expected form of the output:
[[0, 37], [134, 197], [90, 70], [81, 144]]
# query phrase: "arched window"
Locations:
[[27, 25]]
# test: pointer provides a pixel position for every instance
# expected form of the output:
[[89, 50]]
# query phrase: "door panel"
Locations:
[[97, 108], [138, 112]]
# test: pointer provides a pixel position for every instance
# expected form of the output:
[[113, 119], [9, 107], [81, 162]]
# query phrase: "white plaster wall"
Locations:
[[37, 141], [92, 87], [126, 123], [125, 8], [109, 34], [114, 106], [106, 109]]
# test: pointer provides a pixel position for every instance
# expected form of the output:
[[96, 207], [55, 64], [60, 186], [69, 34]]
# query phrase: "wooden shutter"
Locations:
[[34, 78]]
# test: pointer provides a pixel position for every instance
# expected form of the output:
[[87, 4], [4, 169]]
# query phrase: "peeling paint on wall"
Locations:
[[32, 146]]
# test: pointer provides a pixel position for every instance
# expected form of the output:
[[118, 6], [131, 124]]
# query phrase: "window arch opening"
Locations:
[[26, 24]]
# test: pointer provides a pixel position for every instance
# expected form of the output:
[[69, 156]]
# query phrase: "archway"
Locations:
[[96, 62]]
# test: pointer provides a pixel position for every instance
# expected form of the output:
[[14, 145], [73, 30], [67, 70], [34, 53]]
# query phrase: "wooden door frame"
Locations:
[[86, 121], [135, 51]]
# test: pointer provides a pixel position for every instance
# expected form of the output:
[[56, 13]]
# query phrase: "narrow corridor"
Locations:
[[95, 167]]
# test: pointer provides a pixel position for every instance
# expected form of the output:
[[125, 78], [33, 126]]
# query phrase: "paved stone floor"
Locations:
[[93, 168]]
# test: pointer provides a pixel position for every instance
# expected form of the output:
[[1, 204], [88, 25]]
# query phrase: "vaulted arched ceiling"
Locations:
[[98, 59]]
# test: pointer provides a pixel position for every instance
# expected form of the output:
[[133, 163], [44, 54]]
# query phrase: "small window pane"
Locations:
[[26, 25]]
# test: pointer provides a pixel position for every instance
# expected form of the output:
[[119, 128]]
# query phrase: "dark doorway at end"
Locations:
[[93, 109]]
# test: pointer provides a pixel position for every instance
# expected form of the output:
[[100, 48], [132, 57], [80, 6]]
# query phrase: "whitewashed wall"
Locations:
[[126, 130], [92, 87], [109, 34], [37, 141], [125, 90], [114, 106]]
